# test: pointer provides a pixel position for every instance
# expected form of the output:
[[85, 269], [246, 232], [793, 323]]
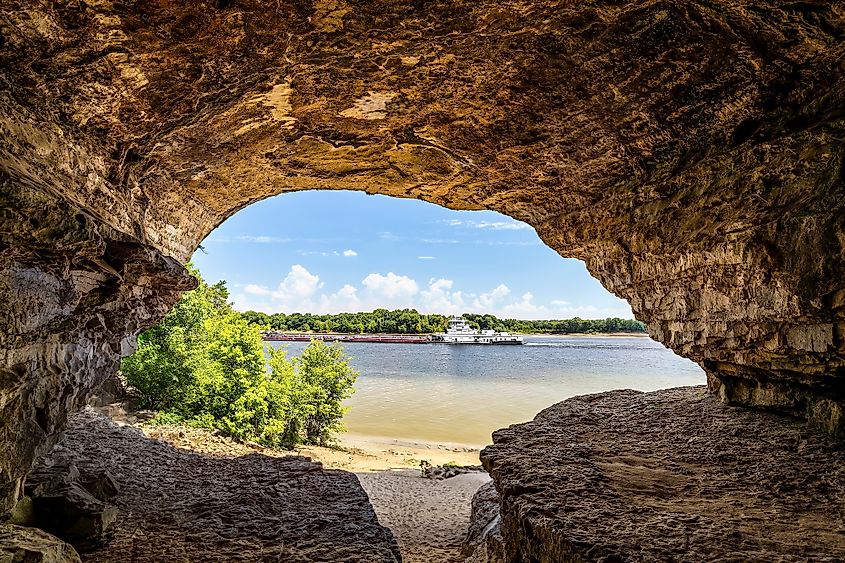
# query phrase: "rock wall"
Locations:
[[74, 294], [672, 475], [690, 152]]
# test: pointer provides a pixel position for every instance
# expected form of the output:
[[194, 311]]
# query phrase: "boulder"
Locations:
[[671, 475], [182, 505], [31, 545], [72, 505]]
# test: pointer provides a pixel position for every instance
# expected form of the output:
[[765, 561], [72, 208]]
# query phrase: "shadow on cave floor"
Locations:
[[178, 505]]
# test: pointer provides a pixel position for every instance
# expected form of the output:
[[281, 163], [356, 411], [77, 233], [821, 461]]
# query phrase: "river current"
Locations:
[[459, 394]]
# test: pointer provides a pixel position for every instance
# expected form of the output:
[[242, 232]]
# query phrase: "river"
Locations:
[[459, 394]]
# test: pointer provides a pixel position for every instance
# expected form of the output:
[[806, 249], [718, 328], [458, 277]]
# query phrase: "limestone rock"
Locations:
[[666, 476], [31, 545], [73, 506], [483, 543], [447, 471], [690, 152], [178, 505]]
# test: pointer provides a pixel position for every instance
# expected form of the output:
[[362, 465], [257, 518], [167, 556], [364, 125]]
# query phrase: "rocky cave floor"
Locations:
[[671, 475], [176, 505]]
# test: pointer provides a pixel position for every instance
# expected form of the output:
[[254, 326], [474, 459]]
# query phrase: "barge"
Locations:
[[334, 337], [458, 331]]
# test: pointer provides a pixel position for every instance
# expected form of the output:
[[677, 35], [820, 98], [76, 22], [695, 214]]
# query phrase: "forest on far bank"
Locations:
[[410, 321]]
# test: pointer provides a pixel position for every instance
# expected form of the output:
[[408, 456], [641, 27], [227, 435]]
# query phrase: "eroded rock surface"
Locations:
[[75, 507], [483, 543], [20, 544], [690, 152], [177, 505], [667, 476]]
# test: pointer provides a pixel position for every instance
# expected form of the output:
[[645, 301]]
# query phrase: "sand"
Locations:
[[428, 518], [369, 453]]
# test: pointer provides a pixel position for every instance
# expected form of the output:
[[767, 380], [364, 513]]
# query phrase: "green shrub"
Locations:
[[166, 419], [314, 386], [205, 365]]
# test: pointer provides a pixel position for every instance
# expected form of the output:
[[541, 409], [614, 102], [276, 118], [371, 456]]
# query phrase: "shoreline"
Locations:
[[356, 453], [360, 453], [589, 335]]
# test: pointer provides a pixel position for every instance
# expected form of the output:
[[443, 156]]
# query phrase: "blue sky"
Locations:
[[328, 252]]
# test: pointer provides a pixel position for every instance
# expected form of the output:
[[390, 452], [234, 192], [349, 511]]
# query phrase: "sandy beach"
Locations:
[[428, 518]]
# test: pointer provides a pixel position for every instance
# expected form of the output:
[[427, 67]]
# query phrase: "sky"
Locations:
[[342, 251]]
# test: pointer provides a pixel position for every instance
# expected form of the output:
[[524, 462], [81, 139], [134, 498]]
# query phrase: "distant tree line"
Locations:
[[379, 321], [410, 321], [576, 325]]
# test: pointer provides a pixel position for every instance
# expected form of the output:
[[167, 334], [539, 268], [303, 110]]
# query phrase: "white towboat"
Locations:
[[458, 331]]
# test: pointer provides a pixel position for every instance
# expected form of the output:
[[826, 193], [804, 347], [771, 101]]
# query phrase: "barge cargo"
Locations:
[[379, 338]]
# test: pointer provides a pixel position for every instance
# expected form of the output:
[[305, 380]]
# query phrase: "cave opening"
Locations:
[[418, 409], [318, 253]]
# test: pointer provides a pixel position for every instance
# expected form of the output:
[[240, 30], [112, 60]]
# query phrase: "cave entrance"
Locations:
[[322, 262], [298, 260]]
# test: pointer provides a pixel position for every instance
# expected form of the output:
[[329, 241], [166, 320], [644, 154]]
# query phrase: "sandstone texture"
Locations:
[[670, 475], [178, 505], [689, 151], [428, 517], [19, 544]]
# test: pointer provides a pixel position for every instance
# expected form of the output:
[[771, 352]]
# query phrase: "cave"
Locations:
[[690, 152]]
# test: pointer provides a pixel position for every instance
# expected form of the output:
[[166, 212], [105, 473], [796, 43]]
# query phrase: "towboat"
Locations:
[[458, 331]]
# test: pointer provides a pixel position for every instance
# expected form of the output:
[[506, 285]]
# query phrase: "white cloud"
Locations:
[[390, 286], [489, 300], [482, 242], [261, 239], [300, 291], [525, 308], [502, 225], [491, 225], [425, 258], [257, 290], [347, 253], [439, 297], [440, 241], [299, 283], [348, 292], [345, 299]]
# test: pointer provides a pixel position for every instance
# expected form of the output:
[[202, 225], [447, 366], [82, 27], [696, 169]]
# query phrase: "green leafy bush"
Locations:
[[205, 365], [315, 385]]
